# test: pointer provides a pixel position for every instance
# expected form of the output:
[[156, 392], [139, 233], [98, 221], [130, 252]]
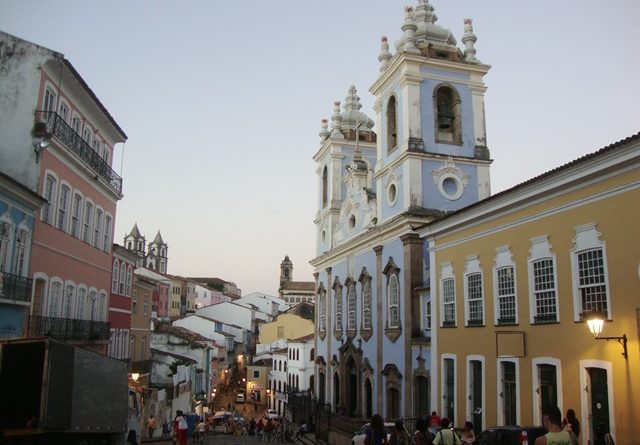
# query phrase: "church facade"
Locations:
[[429, 157], [154, 256]]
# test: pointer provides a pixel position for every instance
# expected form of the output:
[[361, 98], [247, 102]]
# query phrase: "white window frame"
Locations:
[[446, 273], [473, 267], [322, 300], [588, 239], [6, 246], [337, 289], [129, 281], [367, 320], [469, 407], [21, 251], [92, 300], [352, 297], [69, 301], [541, 250], [48, 210], [87, 220], [49, 101], [62, 213], [115, 275], [82, 294], [499, 394], [585, 399], [102, 305], [443, 382], [106, 243], [97, 227], [67, 111], [393, 301], [76, 215], [54, 306], [123, 279], [503, 260], [535, 384]]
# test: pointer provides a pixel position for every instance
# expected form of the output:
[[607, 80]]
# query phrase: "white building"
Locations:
[[265, 303], [230, 312]]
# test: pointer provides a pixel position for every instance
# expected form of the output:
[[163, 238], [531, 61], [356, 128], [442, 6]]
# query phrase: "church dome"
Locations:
[[352, 116], [426, 29]]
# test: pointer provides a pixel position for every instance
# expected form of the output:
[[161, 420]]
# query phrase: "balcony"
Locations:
[[68, 328], [56, 126], [14, 287]]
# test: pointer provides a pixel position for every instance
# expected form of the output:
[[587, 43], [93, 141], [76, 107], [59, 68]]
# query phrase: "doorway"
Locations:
[[598, 406]]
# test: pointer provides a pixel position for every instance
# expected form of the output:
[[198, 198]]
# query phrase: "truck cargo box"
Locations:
[[51, 386]]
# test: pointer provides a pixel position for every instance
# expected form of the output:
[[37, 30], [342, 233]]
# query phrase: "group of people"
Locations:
[[268, 430], [434, 430]]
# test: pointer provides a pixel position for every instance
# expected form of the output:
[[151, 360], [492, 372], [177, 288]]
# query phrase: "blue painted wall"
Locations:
[[431, 196], [382, 136], [387, 210], [427, 118], [11, 320]]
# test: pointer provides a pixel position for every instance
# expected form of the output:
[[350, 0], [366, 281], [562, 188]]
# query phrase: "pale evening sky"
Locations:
[[222, 102]]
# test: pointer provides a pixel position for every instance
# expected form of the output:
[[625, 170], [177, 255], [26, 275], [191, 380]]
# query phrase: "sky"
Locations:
[[222, 101]]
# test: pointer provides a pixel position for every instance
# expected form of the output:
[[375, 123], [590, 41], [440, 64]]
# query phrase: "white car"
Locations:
[[271, 414], [358, 439], [240, 398]]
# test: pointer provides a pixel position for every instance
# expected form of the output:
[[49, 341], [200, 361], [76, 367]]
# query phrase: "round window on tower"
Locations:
[[450, 186], [392, 194]]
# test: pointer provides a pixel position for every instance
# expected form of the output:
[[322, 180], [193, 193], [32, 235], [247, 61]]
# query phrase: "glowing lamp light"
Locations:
[[135, 376], [595, 323], [595, 326]]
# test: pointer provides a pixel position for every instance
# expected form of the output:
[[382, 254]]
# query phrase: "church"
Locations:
[[154, 256], [428, 157]]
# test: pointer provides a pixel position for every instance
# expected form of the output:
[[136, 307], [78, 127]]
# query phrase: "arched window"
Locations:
[[114, 276], [102, 307], [5, 234], [76, 215], [351, 307], [55, 297], [322, 301], [63, 207], [87, 222], [392, 139], [366, 304], [393, 302], [123, 278], [106, 244], [93, 304], [20, 252], [324, 187], [49, 193], [447, 112], [338, 301], [97, 232], [129, 280], [81, 303], [68, 307]]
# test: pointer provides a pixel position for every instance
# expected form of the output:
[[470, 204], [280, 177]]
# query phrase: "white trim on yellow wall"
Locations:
[[470, 409], [535, 385], [499, 392], [585, 429], [443, 406]]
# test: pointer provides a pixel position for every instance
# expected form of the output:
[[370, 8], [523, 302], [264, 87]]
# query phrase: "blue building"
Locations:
[[17, 209], [427, 157]]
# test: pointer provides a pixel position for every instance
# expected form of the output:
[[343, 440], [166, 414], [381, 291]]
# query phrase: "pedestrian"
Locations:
[[151, 425], [468, 435], [435, 419], [423, 435], [552, 422], [375, 433], [181, 427], [446, 436], [252, 427], [165, 429], [300, 431], [399, 435], [571, 423], [260, 429]]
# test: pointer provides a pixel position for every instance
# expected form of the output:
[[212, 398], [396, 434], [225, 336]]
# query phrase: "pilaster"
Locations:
[[379, 328]]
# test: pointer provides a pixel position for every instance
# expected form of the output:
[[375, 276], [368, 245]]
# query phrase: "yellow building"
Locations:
[[175, 293], [295, 323], [140, 331], [514, 277], [256, 390]]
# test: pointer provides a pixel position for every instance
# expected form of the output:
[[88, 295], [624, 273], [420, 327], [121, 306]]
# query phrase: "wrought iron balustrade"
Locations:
[[56, 126], [68, 328], [15, 287]]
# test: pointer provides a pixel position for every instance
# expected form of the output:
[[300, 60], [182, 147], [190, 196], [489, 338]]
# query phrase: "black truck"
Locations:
[[56, 393]]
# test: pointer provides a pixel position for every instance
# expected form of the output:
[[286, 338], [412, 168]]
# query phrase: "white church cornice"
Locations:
[[428, 156]]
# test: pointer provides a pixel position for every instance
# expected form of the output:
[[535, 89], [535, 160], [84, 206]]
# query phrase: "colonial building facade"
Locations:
[[58, 139], [294, 292], [154, 256], [515, 279], [373, 349]]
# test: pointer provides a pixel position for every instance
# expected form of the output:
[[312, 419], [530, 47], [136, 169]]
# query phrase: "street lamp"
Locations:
[[595, 323], [135, 376]]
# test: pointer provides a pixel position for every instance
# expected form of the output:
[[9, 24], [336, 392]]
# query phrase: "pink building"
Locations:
[[60, 141], [124, 263]]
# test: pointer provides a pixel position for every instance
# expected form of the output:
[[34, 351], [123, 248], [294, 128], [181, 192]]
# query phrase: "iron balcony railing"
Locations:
[[56, 126], [68, 328], [15, 287]]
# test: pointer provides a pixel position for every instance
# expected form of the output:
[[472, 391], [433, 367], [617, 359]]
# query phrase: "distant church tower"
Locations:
[[157, 256], [286, 272], [135, 242]]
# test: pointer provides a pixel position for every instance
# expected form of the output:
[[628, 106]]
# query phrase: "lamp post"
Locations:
[[595, 323]]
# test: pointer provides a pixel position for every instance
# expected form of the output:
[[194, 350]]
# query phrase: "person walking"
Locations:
[[571, 423], [181, 426], [468, 435], [446, 436], [552, 422], [399, 435], [375, 433], [151, 425]]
